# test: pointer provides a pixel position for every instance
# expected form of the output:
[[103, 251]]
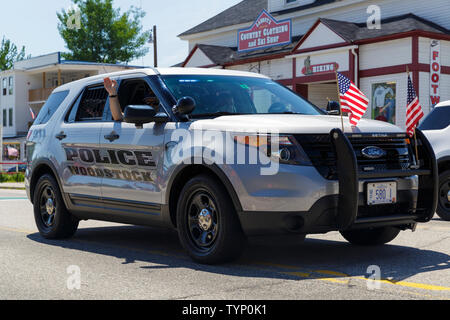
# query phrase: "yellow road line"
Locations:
[[17, 230], [302, 274], [339, 277]]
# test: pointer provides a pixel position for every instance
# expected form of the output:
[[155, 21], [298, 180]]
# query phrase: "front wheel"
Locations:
[[52, 218], [443, 209], [371, 237], [208, 226]]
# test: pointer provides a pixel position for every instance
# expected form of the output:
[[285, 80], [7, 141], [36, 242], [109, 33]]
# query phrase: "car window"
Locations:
[[50, 107], [90, 106], [237, 95], [438, 119]]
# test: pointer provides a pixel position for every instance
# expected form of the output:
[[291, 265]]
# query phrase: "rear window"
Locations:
[[438, 119], [50, 107]]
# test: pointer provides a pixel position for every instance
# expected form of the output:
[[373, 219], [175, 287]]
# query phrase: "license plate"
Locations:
[[381, 193]]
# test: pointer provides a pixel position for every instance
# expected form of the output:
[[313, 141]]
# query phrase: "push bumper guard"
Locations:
[[348, 176]]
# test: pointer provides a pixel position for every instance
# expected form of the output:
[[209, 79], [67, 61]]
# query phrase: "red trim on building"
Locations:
[[415, 63], [319, 78], [310, 31], [189, 56], [256, 59], [326, 47], [294, 72], [351, 66]]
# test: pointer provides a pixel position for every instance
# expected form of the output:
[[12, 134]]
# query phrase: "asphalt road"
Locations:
[[114, 261]]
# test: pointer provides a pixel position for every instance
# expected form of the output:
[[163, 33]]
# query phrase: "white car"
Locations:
[[436, 127]]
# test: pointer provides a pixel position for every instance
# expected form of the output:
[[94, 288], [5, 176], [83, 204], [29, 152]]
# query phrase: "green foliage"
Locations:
[[105, 34], [9, 54], [16, 177]]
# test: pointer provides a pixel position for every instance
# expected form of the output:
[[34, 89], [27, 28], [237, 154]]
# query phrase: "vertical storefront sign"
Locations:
[[435, 72], [265, 32], [384, 101]]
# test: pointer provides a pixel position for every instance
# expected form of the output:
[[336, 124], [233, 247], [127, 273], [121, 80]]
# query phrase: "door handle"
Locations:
[[61, 136], [112, 137]]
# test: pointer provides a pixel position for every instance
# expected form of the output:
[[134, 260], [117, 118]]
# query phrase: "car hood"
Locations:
[[292, 123]]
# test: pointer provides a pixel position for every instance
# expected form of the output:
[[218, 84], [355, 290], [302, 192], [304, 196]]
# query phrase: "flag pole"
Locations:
[[340, 102], [415, 134]]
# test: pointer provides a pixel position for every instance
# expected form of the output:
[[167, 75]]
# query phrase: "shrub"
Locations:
[[16, 177]]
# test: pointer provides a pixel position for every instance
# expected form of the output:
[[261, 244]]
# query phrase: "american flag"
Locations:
[[353, 100], [414, 112]]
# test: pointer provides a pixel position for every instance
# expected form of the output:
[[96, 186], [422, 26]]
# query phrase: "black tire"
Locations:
[[371, 237], [443, 209], [220, 239], [59, 224]]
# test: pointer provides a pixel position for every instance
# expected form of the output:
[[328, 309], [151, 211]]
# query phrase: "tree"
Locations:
[[102, 33], [9, 54]]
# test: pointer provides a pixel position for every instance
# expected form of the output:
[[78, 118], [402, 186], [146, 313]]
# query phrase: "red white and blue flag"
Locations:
[[353, 101], [414, 112]]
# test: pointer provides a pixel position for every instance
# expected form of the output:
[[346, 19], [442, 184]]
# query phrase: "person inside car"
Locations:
[[111, 87]]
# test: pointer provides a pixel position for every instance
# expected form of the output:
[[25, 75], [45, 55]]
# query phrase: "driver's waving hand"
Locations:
[[111, 87]]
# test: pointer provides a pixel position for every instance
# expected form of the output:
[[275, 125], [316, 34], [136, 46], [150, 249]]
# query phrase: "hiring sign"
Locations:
[[435, 72], [265, 32]]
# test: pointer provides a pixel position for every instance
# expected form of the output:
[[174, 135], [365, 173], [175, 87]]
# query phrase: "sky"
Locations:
[[33, 24]]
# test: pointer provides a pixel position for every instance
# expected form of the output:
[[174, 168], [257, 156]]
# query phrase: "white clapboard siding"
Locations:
[[424, 89], [385, 54], [199, 59], [277, 69], [424, 51]]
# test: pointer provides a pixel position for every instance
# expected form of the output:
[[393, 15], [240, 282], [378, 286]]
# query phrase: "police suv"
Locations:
[[436, 127], [226, 155]]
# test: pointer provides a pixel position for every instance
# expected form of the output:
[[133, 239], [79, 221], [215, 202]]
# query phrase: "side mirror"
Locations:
[[140, 115], [185, 106], [333, 108]]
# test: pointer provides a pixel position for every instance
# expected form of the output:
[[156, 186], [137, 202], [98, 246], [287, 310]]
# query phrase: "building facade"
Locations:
[[25, 89], [374, 43]]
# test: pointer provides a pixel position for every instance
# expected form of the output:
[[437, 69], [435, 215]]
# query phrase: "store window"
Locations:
[[10, 117], [11, 85], [384, 97], [4, 86]]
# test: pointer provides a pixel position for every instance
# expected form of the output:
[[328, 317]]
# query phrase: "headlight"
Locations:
[[284, 149]]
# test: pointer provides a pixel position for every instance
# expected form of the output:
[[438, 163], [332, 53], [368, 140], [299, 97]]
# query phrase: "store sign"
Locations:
[[435, 72], [309, 69], [264, 33]]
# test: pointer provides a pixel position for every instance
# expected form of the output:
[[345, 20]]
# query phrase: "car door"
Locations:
[[78, 137], [131, 182]]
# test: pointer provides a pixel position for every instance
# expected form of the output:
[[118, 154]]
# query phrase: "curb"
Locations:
[[12, 188]]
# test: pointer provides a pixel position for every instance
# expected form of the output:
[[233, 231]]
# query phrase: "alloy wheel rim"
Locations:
[[444, 195], [48, 206], [202, 221]]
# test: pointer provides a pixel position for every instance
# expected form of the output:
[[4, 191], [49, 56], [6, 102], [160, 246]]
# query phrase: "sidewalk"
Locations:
[[13, 185]]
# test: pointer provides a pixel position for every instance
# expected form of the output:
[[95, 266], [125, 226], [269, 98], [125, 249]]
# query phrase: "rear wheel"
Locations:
[[371, 237], [52, 218], [443, 209], [208, 226]]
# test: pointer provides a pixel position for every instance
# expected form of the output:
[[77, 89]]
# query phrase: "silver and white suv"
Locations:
[[436, 127], [225, 155]]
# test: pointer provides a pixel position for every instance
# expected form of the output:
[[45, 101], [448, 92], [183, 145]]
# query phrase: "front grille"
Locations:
[[320, 150]]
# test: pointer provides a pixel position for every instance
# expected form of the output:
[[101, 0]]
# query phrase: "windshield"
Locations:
[[223, 95]]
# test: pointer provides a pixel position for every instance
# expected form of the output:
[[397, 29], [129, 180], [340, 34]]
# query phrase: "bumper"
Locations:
[[346, 209]]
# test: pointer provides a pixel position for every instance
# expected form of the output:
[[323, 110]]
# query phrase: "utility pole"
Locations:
[[155, 47]]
